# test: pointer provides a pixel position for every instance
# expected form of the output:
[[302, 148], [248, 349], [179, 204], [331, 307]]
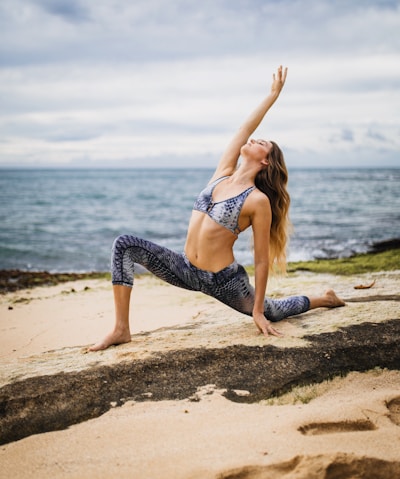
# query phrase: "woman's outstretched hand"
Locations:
[[264, 326], [278, 80]]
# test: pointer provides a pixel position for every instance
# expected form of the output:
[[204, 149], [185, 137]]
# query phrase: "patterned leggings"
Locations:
[[231, 285]]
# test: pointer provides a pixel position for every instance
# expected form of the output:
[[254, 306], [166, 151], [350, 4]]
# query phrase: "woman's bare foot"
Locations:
[[332, 300], [113, 338], [328, 300]]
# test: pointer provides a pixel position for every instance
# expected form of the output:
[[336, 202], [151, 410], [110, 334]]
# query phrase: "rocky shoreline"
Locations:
[[14, 280]]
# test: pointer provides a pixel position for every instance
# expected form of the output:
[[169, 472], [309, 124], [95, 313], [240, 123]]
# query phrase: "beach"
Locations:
[[194, 394]]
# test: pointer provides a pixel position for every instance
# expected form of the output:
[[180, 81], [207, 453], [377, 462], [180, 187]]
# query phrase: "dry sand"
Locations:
[[346, 425]]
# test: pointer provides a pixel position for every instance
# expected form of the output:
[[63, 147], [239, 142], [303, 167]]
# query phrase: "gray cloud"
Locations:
[[43, 31], [70, 10], [374, 134], [108, 76], [347, 135]]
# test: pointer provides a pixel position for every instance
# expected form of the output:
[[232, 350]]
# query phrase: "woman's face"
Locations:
[[258, 148]]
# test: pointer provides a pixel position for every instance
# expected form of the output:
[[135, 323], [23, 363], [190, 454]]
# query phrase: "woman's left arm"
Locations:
[[261, 224]]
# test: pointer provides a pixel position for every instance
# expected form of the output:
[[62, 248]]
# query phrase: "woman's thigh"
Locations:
[[164, 263]]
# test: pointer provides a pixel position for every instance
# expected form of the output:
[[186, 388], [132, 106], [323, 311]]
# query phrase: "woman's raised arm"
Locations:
[[230, 157]]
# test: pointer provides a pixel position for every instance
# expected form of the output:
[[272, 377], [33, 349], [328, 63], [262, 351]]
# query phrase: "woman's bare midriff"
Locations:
[[209, 246]]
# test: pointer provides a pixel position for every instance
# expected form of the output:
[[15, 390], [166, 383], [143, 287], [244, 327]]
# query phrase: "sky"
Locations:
[[166, 83]]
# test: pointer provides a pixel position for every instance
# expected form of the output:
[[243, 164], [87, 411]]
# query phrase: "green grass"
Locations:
[[361, 263]]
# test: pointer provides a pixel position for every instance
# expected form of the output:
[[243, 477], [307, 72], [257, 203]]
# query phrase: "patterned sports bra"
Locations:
[[226, 213]]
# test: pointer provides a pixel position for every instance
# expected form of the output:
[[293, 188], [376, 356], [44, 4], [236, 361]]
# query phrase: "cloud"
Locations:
[[147, 30], [374, 134], [69, 10], [109, 81]]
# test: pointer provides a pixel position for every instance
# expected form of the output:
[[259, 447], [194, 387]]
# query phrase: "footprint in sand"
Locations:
[[313, 429], [335, 466], [394, 409], [343, 466]]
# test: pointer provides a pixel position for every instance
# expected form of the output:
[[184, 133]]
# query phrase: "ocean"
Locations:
[[66, 220]]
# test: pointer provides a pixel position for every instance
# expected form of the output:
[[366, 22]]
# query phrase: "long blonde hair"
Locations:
[[272, 181]]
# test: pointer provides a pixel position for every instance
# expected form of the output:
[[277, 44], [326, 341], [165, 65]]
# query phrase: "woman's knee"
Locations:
[[276, 310], [119, 249], [122, 242]]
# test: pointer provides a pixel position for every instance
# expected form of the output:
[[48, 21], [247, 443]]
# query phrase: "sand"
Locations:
[[345, 425]]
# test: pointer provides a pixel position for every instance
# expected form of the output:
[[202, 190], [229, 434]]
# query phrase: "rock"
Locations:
[[387, 245]]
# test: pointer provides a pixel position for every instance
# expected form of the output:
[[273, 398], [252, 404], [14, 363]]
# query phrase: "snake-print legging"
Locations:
[[231, 285]]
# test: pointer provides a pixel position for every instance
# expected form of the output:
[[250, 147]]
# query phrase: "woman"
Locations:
[[236, 198]]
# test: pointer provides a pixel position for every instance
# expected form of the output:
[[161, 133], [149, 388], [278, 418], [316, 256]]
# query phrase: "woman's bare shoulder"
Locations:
[[257, 205], [260, 199]]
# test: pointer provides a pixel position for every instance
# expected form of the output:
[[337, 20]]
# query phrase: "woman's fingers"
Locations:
[[273, 332], [266, 329], [284, 75], [278, 79], [281, 73]]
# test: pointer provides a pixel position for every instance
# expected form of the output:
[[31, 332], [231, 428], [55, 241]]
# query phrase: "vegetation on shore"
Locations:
[[13, 280], [357, 264]]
